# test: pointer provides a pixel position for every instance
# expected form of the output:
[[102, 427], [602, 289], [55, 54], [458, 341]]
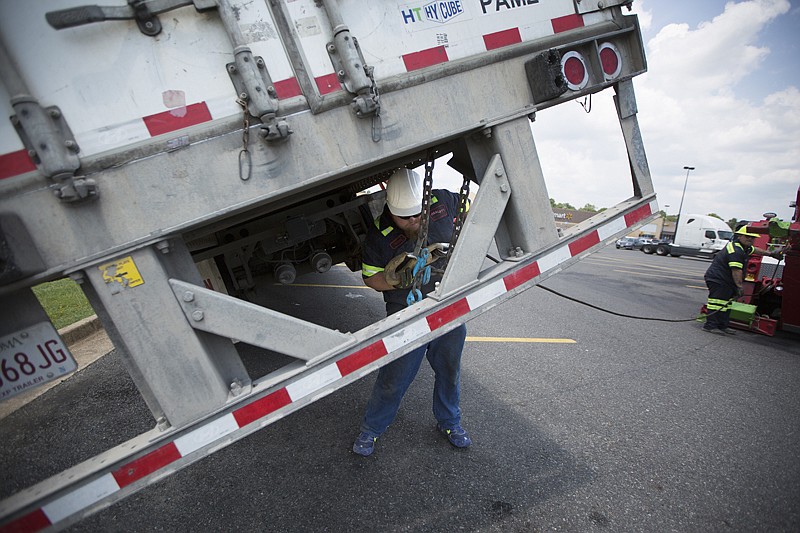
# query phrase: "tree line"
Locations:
[[670, 218]]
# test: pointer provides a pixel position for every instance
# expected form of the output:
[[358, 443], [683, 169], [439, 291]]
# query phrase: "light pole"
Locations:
[[680, 207]]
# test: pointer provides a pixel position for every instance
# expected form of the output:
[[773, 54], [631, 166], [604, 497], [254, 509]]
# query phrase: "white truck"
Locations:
[[161, 149], [695, 236]]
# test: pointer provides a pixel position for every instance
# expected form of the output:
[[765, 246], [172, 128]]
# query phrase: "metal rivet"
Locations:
[[198, 315]]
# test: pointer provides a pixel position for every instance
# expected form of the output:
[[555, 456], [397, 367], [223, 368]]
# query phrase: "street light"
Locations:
[[680, 207]]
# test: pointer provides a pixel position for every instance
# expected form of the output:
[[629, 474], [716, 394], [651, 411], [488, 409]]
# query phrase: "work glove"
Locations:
[[437, 251], [739, 292], [399, 272]]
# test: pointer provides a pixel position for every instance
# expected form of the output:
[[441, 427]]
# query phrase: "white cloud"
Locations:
[[745, 150]]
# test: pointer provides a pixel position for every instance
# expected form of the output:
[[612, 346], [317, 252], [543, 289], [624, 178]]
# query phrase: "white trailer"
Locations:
[[695, 236], [160, 149]]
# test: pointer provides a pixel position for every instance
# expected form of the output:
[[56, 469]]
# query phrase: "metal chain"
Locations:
[[427, 187], [422, 236], [245, 159], [463, 196], [377, 122]]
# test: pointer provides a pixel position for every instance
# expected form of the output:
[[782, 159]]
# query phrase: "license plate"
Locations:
[[31, 357]]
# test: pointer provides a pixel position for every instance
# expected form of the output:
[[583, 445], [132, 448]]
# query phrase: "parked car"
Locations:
[[640, 242], [626, 243]]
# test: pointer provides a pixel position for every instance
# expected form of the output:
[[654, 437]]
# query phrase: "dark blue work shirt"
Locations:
[[384, 242]]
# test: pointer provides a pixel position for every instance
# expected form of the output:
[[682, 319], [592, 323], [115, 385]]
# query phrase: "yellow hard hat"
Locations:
[[743, 231]]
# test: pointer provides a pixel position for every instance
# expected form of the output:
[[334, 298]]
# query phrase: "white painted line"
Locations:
[[223, 107], [111, 137], [206, 434], [486, 294], [611, 228], [410, 333], [303, 387], [80, 498], [554, 258]]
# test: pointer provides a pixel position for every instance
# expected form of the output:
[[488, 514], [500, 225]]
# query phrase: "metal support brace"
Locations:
[[226, 316], [182, 374], [46, 135], [479, 229], [625, 101], [252, 80], [527, 224]]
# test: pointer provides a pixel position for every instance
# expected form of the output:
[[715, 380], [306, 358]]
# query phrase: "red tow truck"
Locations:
[[771, 286]]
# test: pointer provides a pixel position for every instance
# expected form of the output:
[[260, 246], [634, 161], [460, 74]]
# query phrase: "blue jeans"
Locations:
[[444, 356]]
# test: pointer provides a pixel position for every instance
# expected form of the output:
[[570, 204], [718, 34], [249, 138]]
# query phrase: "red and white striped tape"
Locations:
[[215, 431], [170, 121]]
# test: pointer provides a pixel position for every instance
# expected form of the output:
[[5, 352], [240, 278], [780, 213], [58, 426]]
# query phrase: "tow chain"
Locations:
[[458, 223], [245, 159], [422, 273]]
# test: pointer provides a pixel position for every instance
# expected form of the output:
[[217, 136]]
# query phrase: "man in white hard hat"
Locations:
[[724, 279], [393, 236]]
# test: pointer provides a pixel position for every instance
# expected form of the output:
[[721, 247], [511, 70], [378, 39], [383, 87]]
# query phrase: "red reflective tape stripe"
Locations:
[[15, 163], [448, 314], [361, 358], [146, 465], [517, 278], [287, 88], [503, 38], [639, 214], [261, 408], [584, 243], [425, 58], [176, 119], [568, 22], [328, 83], [34, 521]]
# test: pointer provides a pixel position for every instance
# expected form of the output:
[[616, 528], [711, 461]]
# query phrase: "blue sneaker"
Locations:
[[457, 436], [364, 444]]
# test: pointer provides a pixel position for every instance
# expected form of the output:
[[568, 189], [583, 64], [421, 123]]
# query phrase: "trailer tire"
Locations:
[[648, 249], [662, 250]]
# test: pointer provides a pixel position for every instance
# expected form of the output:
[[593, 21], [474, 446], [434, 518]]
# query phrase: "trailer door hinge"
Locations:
[[356, 77], [52, 147]]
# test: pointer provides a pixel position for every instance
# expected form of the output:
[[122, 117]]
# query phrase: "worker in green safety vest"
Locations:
[[724, 279]]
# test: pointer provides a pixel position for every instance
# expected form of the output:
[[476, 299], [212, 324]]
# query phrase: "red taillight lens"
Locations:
[[575, 72], [611, 60]]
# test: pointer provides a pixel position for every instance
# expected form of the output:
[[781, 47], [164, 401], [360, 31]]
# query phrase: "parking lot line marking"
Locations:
[[323, 285], [651, 275], [697, 287], [646, 265], [520, 339]]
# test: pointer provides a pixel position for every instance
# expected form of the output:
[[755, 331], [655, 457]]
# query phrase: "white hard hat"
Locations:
[[404, 193]]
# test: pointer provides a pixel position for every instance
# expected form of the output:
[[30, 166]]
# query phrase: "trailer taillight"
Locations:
[[575, 70], [611, 60]]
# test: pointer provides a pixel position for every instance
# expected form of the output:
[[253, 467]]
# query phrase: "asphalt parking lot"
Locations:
[[640, 424]]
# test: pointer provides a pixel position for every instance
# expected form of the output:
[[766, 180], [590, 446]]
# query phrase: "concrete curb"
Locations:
[[80, 330]]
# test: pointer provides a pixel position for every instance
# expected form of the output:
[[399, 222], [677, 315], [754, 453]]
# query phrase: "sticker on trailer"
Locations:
[[121, 274], [32, 357]]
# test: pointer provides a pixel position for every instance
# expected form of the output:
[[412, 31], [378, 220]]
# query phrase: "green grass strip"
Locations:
[[63, 301]]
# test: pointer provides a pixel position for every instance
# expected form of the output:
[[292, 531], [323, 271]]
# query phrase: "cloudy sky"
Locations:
[[722, 94]]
